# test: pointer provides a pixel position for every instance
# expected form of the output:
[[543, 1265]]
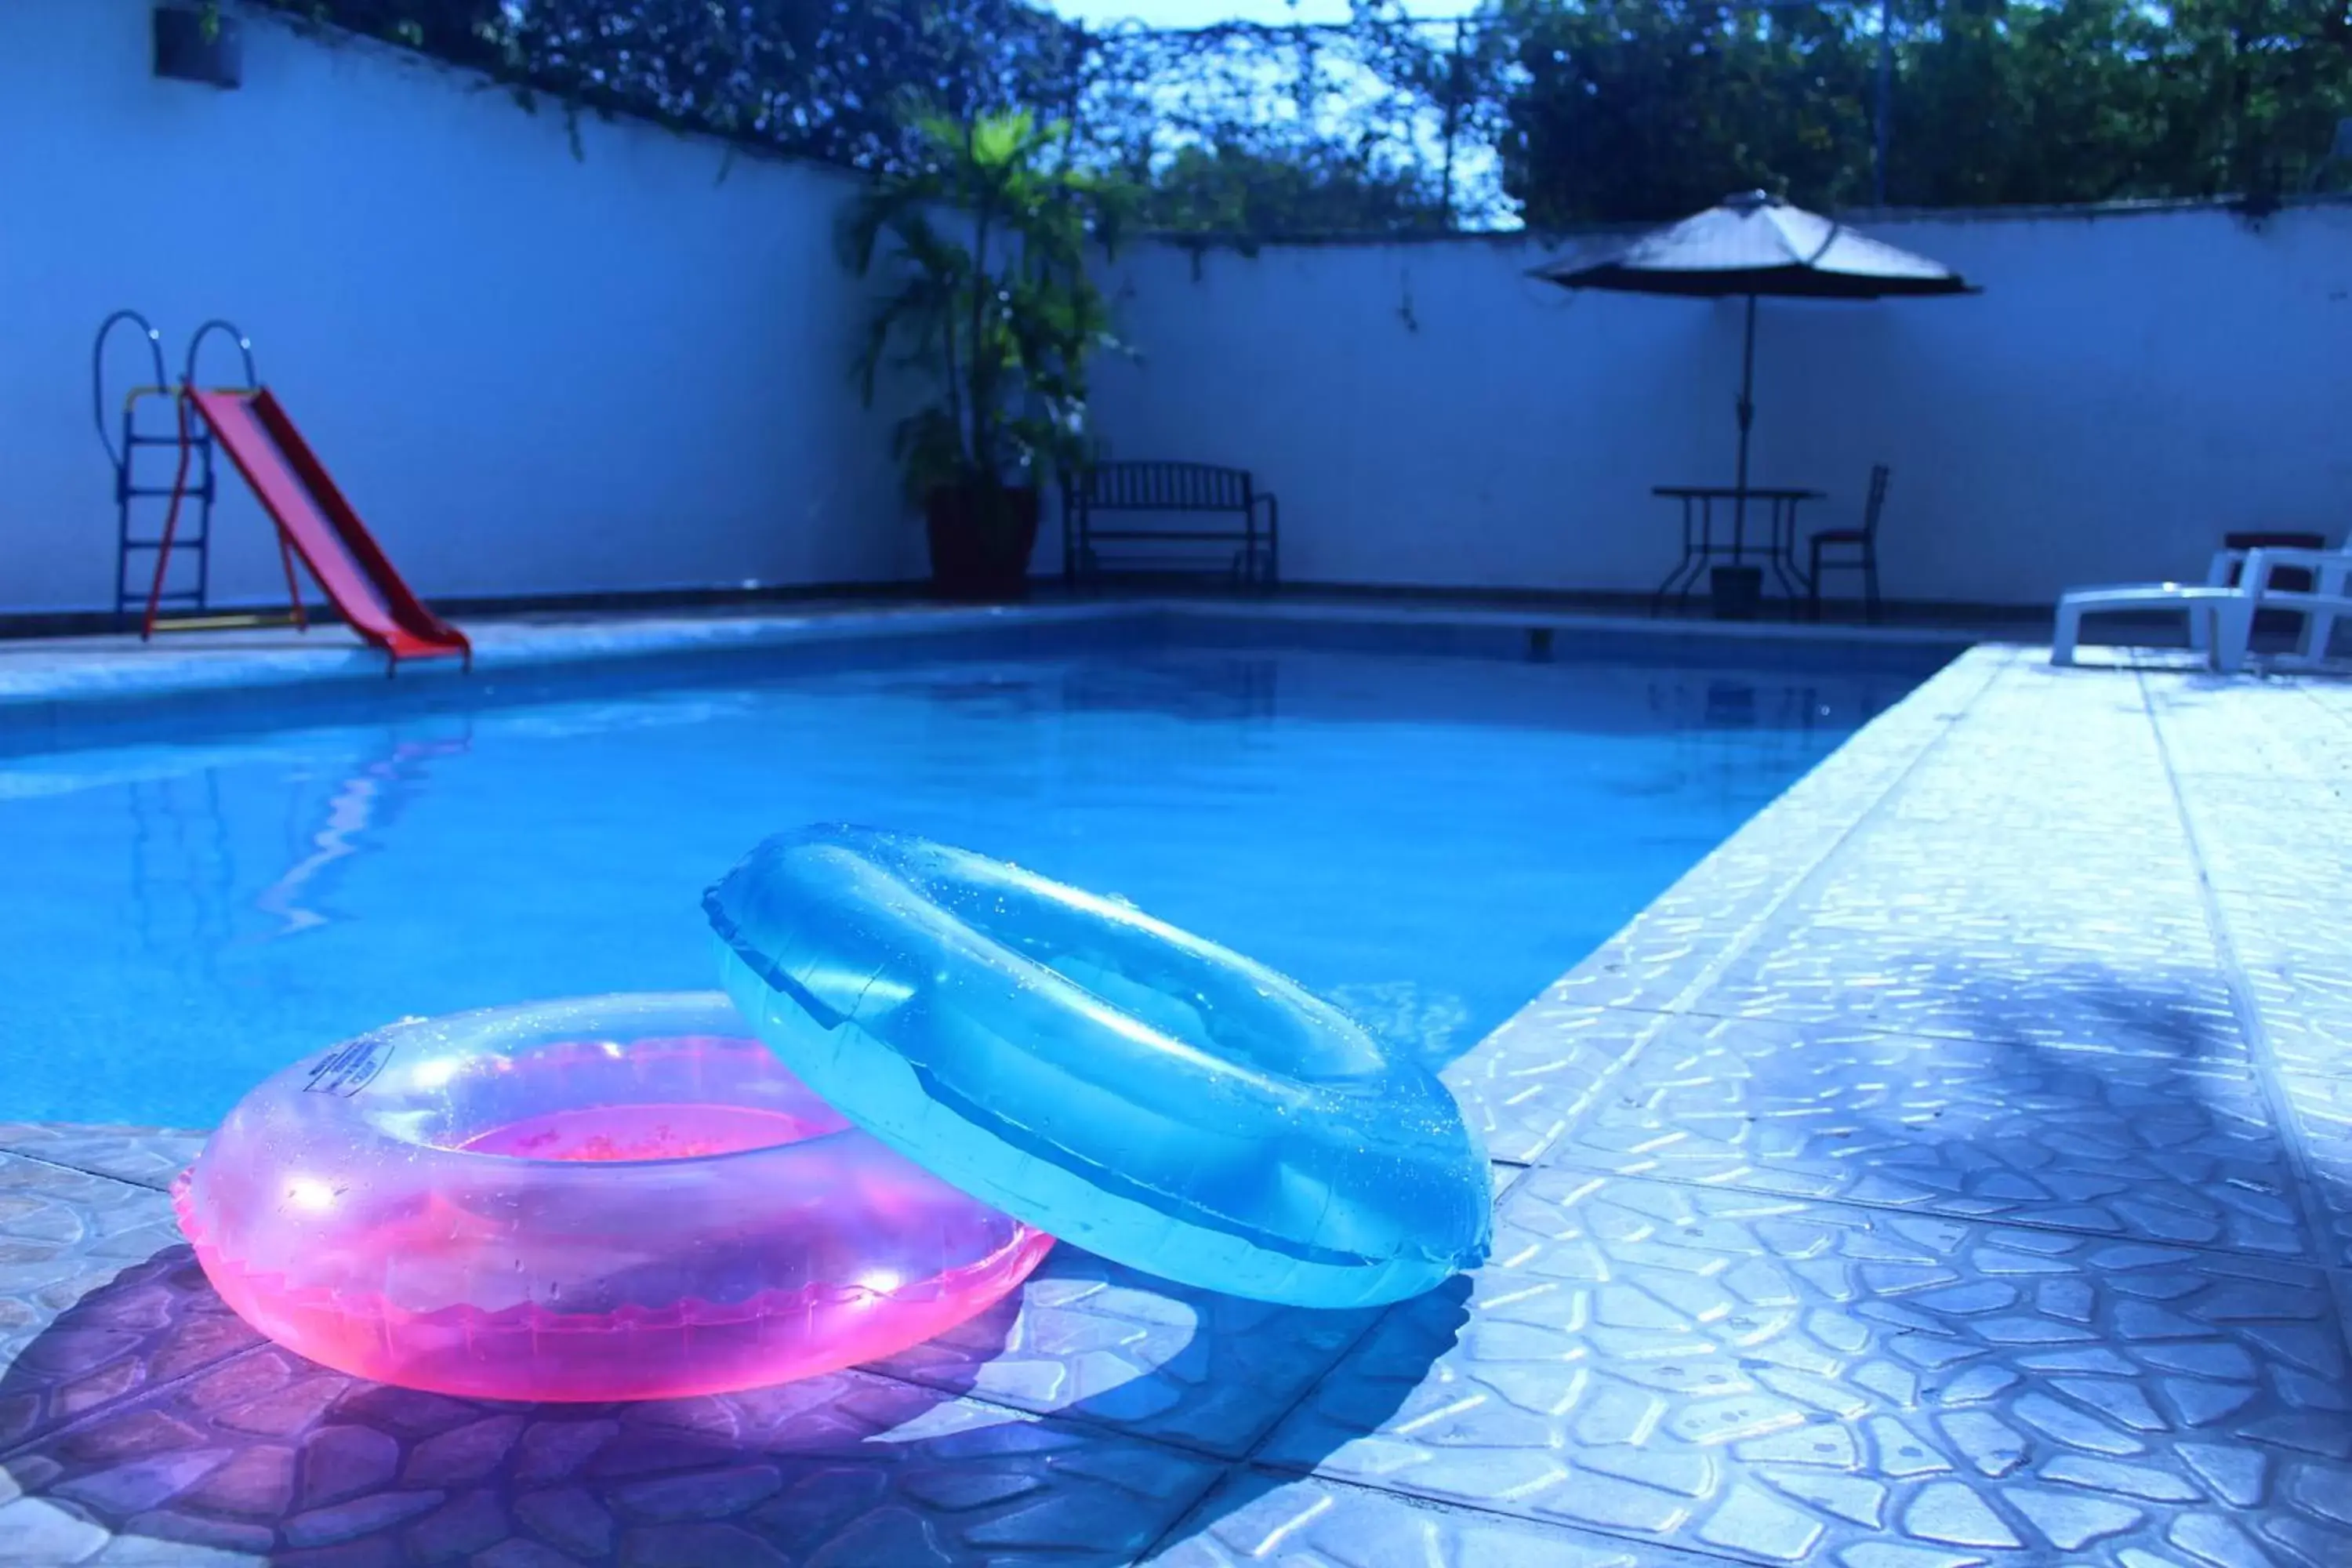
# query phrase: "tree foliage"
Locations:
[[1654, 109], [1243, 128], [1558, 111], [1648, 108], [819, 78]]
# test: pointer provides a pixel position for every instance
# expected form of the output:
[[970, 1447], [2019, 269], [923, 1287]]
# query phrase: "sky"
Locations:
[[1203, 13]]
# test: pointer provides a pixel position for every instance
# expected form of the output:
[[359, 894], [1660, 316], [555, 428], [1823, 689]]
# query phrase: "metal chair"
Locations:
[[1862, 545]]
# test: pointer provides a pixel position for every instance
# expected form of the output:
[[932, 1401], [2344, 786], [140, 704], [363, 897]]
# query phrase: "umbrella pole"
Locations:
[[1746, 417]]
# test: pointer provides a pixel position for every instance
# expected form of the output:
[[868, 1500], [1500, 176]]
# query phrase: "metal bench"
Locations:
[[1221, 506]]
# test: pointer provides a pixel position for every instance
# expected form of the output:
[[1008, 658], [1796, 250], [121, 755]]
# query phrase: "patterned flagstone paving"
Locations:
[[1956, 1169]]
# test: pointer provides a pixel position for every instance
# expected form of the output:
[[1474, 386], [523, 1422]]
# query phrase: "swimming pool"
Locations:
[[1426, 825]]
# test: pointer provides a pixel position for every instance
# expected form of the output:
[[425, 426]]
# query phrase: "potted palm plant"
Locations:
[[990, 300]]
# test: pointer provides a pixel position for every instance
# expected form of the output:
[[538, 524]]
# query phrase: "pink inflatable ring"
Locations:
[[621, 1198]]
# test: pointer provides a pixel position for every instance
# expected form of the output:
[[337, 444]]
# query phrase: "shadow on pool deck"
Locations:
[[2066, 1089], [253, 1452], [2242, 1093]]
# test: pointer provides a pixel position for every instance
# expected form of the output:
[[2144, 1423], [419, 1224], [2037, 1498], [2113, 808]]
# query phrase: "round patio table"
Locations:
[[1777, 551]]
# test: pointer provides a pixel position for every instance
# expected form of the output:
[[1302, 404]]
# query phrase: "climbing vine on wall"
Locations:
[[1234, 128], [1558, 111]]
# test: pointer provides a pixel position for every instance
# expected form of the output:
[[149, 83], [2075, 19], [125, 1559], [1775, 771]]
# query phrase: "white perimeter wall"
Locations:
[[538, 374], [531, 373], [2128, 388]]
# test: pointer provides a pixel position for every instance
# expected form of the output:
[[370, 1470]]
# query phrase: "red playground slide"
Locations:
[[312, 516]]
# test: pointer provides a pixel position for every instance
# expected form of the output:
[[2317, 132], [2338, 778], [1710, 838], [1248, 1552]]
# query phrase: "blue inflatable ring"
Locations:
[[1101, 1076]]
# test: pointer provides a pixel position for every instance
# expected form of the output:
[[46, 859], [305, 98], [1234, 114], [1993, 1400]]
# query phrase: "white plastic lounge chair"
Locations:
[[2329, 596], [2220, 614], [2205, 604]]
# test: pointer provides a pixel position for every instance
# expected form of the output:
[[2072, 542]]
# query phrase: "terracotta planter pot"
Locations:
[[1739, 592], [974, 562]]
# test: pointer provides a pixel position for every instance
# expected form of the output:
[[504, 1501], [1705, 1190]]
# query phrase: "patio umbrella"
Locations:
[[1758, 245]]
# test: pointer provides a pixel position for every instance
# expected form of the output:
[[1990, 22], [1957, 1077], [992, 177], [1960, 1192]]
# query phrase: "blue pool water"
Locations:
[[1428, 837]]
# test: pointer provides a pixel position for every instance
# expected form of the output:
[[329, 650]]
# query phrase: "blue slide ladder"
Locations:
[[144, 562]]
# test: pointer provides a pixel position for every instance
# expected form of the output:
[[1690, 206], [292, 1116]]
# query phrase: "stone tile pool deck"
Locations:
[[1956, 1167]]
